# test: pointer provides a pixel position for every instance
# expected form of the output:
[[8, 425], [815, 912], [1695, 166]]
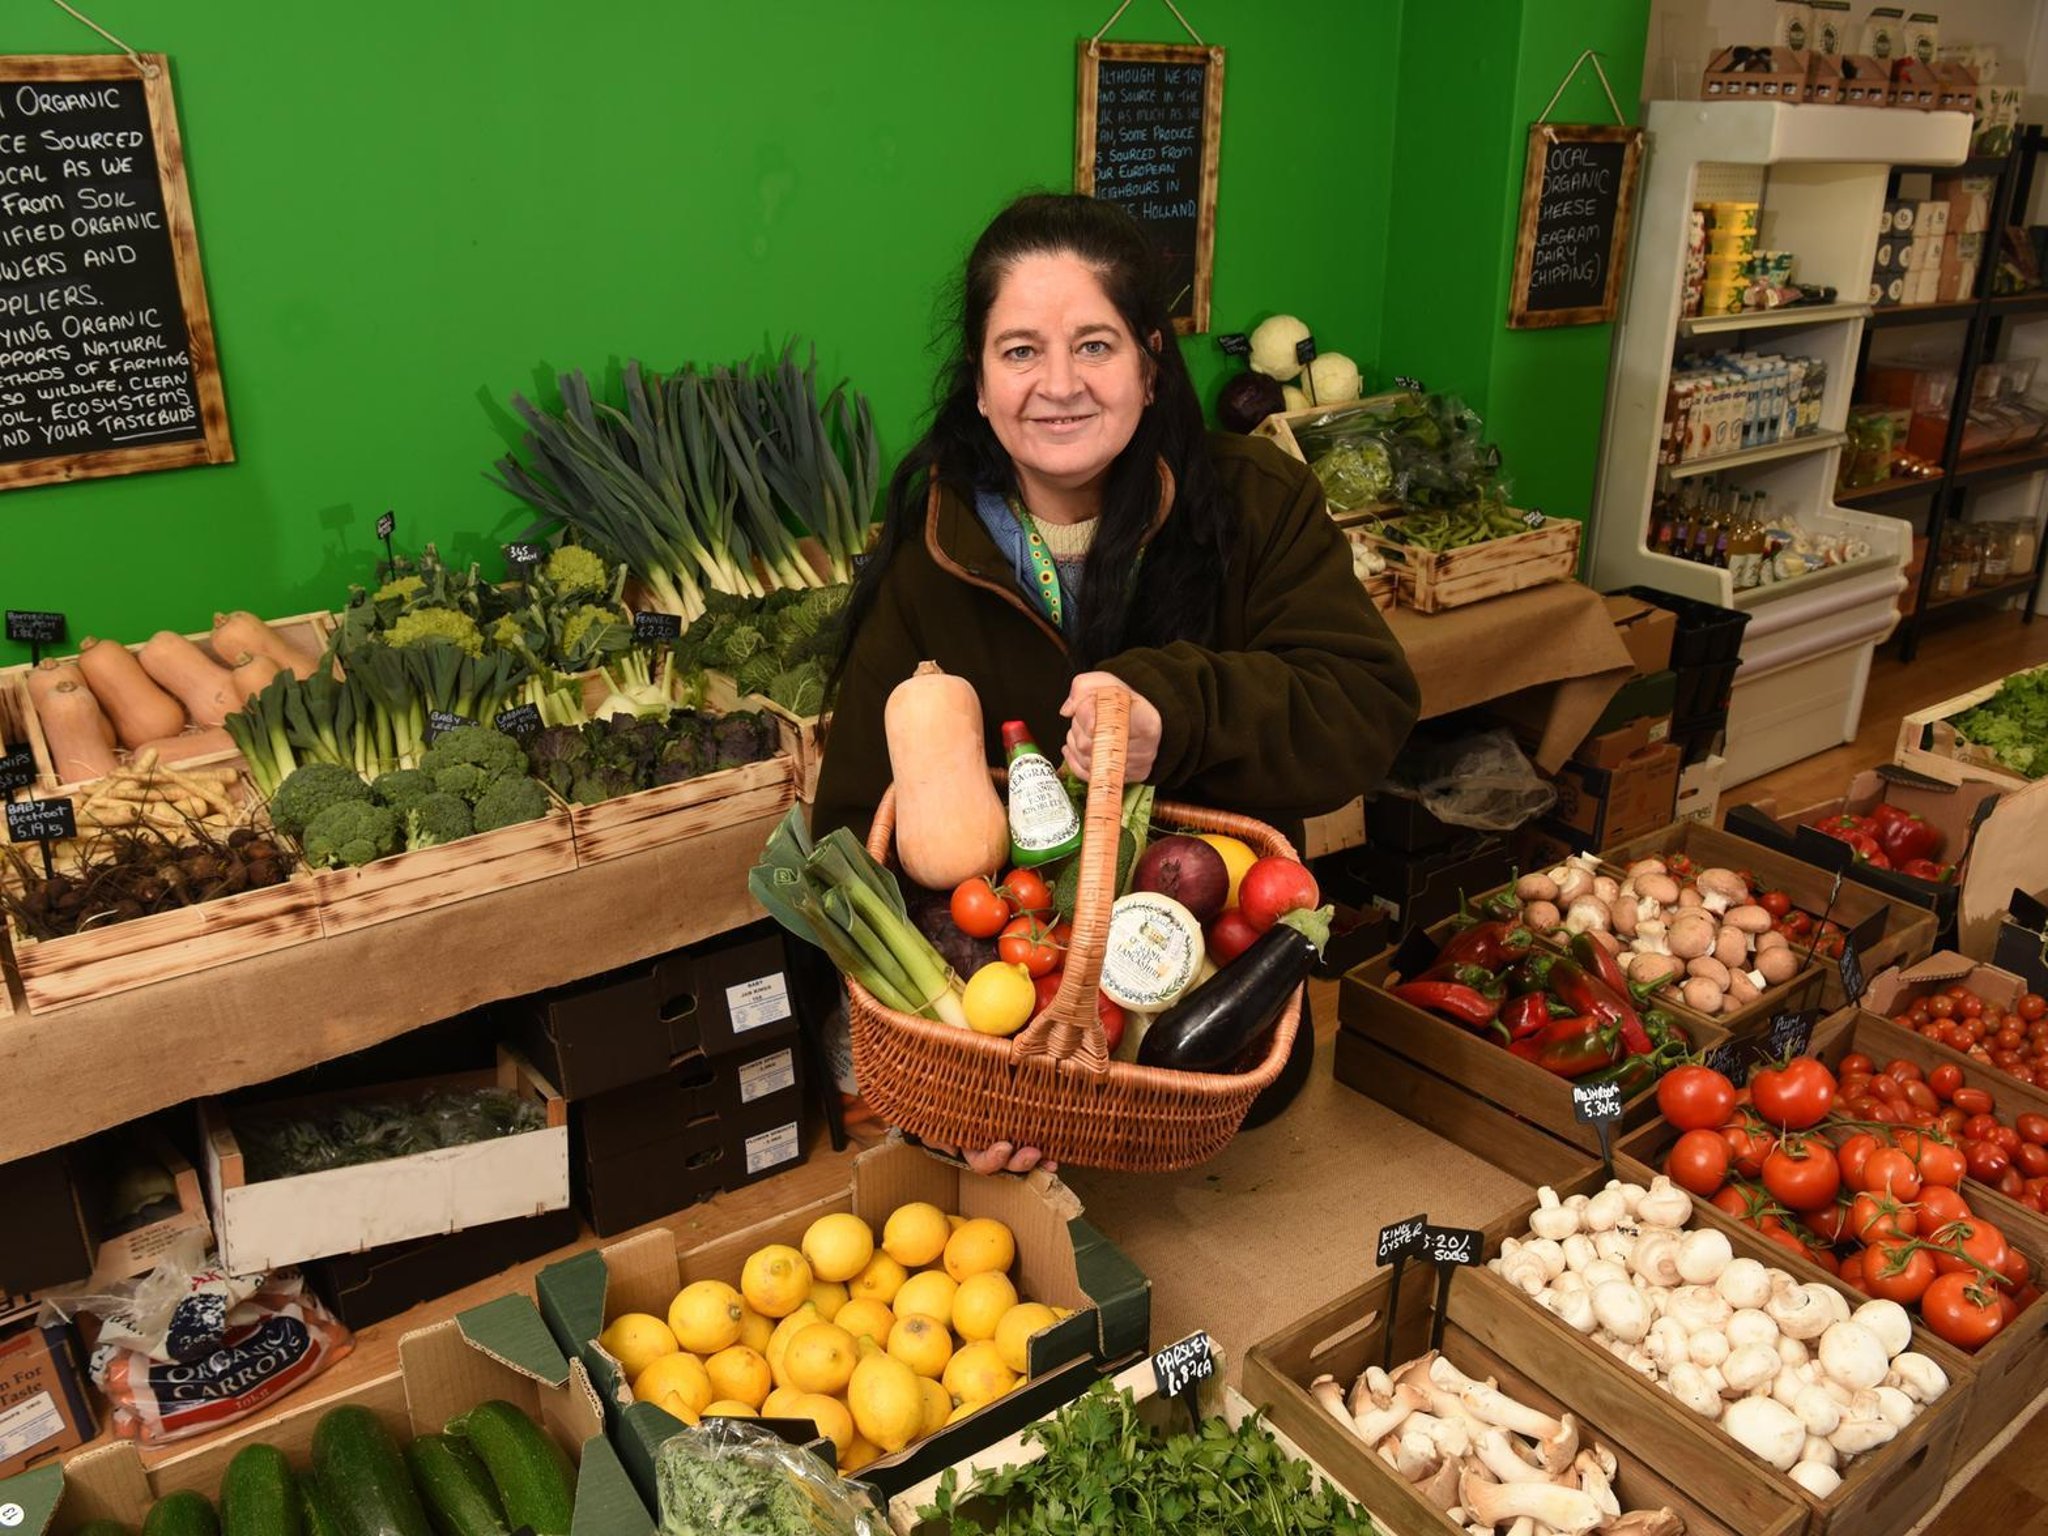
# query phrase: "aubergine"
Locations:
[[1220, 1022]]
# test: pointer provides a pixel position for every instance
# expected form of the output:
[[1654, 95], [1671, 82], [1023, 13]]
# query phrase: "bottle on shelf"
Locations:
[[1997, 563]]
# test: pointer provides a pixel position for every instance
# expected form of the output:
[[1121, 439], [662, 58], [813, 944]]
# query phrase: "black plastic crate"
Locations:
[[1698, 739], [1704, 690], [1707, 633]]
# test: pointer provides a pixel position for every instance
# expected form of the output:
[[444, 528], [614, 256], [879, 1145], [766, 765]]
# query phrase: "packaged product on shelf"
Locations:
[[1728, 402], [45, 1407], [1884, 32], [1831, 27]]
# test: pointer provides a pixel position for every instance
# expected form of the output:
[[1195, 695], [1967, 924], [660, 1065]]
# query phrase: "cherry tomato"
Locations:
[[1961, 1311], [2032, 1006], [1830, 1223], [1735, 1200], [1852, 1154], [1272, 888], [1894, 1270], [1890, 1172], [1857, 1064], [1028, 942], [1972, 1101], [1941, 1007], [1979, 1127], [2010, 1184], [1028, 893], [1905, 1071], [1945, 1080], [1695, 1098], [1942, 1165], [977, 910], [1922, 1098], [1987, 1160], [1851, 1270], [1888, 1090], [1698, 1161], [1803, 1176], [1970, 1005], [1972, 1239], [1794, 1097], [1939, 1206], [1777, 903], [2033, 1128]]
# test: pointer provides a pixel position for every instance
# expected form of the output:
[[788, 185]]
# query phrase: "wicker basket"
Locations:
[[1053, 1085]]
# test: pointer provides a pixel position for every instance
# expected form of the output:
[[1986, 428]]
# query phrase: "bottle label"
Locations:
[[1041, 815]]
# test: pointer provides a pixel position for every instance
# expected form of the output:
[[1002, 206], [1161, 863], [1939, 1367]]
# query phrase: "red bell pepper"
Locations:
[[1927, 869], [1452, 1000], [1584, 992], [1526, 1015], [1905, 837]]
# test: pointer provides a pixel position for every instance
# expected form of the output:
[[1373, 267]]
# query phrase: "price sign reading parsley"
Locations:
[[656, 628], [1184, 1365]]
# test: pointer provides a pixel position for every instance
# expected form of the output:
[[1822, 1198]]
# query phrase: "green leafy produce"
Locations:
[[279, 1146], [620, 754], [349, 832], [312, 789], [1454, 529], [439, 818], [1416, 450], [782, 647], [1104, 1470], [2012, 723], [510, 801], [731, 1478]]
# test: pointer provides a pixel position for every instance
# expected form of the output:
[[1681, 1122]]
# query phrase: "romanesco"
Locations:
[[350, 832], [308, 791], [573, 570]]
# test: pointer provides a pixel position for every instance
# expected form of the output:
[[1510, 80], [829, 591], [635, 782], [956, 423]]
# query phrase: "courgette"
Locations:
[[456, 1487], [532, 1475], [316, 1510], [183, 1513], [358, 1466], [259, 1496], [105, 1528]]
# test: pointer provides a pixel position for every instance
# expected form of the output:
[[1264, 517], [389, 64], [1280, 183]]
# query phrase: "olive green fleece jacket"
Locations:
[[1299, 706]]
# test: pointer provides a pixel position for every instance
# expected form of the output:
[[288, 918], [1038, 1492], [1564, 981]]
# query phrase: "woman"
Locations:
[[1067, 524]]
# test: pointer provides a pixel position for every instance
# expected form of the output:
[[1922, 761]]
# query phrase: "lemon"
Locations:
[[740, 1374], [977, 1373], [728, 1408], [887, 1402], [705, 1316], [755, 1330], [960, 1411], [859, 1454], [954, 1222], [778, 1404], [1237, 858], [930, 1293], [636, 1340], [980, 1305], [915, 1234], [879, 1280], [979, 1247], [866, 1319], [829, 1414], [921, 1343], [776, 1280], [999, 999], [786, 1330], [1013, 1333], [820, 1358], [938, 1405], [680, 1374], [673, 1405], [828, 1296], [838, 1246]]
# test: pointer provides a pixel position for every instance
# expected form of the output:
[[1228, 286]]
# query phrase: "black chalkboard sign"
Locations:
[[17, 769], [41, 821], [1578, 197], [107, 358], [1148, 137], [35, 626], [651, 628]]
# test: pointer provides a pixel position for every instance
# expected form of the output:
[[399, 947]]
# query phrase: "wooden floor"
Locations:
[[2011, 1493]]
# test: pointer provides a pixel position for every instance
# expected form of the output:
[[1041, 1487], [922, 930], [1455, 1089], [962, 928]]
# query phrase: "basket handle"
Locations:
[[1070, 1029]]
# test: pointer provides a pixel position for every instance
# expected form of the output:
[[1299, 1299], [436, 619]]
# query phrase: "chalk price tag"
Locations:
[[1454, 1245], [41, 821], [440, 721], [1401, 1240], [1851, 963], [521, 720], [656, 628], [1402, 381], [387, 525], [17, 769], [1790, 1035], [34, 626], [1305, 351], [1182, 1365], [517, 555], [1730, 1060], [1595, 1102], [1534, 517], [1235, 344]]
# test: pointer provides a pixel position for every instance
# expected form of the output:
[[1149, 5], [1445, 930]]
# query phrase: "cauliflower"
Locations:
[[308, 791], [1273, 345], [437, 818], [510, 801], [572, 570], [425, 624], [350, 832]]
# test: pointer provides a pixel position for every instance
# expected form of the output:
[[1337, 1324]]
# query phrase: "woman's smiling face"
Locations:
[[1063, 381]]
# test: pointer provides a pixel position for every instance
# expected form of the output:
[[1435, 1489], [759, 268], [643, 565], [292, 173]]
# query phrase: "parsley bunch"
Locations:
[[1106, 1473]]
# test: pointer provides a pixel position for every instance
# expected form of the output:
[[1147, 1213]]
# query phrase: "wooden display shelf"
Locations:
[[1889, 492], [107, 1061]]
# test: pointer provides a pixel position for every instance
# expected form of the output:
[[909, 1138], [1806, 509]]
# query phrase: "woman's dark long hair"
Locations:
[[1184, 564]]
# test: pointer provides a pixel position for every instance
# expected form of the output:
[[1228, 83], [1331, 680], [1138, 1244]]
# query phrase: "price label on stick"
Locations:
[[29, 626], [1730, 1060], [441, 720], [1450, 1249], [521, 720], [1400, 1241], [387, 525], [17, 770], [1853, 979], [1402, 381], [1596, 1103], [1181, 1368], [1533, 517], [41, 821], [517, 555], [1305, 351], [656, 628], [1235, 344], [1790, 1035]]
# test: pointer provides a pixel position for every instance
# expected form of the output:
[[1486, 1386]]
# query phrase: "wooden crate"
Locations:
[[1432, 581], [674, 813], [1883, 1491], [309, 630], [1717, 1495], [1928, 744], [803, 736], [1278, 428], [409, 883]]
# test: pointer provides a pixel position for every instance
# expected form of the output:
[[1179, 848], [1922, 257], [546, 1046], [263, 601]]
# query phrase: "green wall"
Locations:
[[407, 212]]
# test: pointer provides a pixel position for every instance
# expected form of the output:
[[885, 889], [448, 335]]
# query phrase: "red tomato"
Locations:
[[1922, 1097], [1695, 1098], [1027, 942], [1975, 1239], [1895, 1270], [1777, 903], [1230, 936], [1803, 1176], [1852, 1154], [1047, 987], [1272, 888], [1698, 1161], [1796, 1096], [1961, 1311], [1940, 1206], [1945, 1079], [1851, 1270], [1784, 1237], [1905, 1071], [1979, 1127], [2032, 1007], [2016, 1269], [1735, 1200], [1028, 892], [1830, 1223], [1858, 1064], [1874, 1216], [977, 910], [1987, 1160], [2033, 1128], [1972, 1101], [1890, 1172], [1943, 1164], [1747, 1148], [2031, 1160]]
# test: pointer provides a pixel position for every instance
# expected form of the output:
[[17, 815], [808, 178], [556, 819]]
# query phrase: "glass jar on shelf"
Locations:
[[1944, 570], [1997, 563], [2026, 544]]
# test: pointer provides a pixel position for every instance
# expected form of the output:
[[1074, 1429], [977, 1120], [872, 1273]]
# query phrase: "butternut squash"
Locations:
[[189, 747], [241, 633], [202, 685], [950, 824], [252, 675], [139, 709], [79, 736]]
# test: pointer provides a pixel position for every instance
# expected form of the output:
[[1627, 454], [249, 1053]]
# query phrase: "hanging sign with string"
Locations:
[[1578, 198], [1148, 136], [107, 359]]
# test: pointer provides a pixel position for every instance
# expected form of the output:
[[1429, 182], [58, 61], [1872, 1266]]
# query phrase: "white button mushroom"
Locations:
[[1699, 1307], [1622, 1311], [1855, 1436], [1664, 1204], [1656, 1258], [1816, 1479], [1689, 1385], [1821, 1414], [1702, 1255], [1919, 1377], [1709, 1347], [1550, 1219], [1803, 1311], [1852, 1355], [1749, 1327], [1766, 1428], [1744, 1283], [1750, 1367], [1889, 1321]]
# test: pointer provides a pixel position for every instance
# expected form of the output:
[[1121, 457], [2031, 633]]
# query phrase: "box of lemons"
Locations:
[[681, 1376], [739, 1374], [778, 1342], [838, 1247], [929, 1293], [922, 1343], [979, 1305], [887, 1401], [879, 1280], [1015, 1329], [980, 1246], [820, 1358], [977, 1374]]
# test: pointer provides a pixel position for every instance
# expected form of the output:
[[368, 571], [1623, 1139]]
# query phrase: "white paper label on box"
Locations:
[[754, 1004], [771, 1149], [29, 1423], [771, 1074], [1661, 731]]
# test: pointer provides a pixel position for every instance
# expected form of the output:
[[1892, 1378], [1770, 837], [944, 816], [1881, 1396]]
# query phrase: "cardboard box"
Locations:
[[1608, 805], [1640, 698], [1645, 629], [500, 1350], [273, 1222], [1416, 890], [1341, 828], [45, 1401], [366, 1288], [1610, 749], [1897, 988], [1730, 77], [136, 1250], [732, 993], [1061, 1260], [1866, 82], [1699, 790]]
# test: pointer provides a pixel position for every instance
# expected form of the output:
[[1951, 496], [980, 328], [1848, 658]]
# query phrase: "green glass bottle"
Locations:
[[1043, 822]]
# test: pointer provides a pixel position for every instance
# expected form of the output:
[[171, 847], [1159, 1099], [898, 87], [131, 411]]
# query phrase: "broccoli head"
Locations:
[[308, 791], [437, 818], [465, 781], [425, 624], [489, 750], [510, 801], [350, 832], [573, 570], [402, 788]]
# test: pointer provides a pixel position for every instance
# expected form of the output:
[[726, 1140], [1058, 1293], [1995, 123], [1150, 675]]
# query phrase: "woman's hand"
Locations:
[[999, 1157], [1080, 709]]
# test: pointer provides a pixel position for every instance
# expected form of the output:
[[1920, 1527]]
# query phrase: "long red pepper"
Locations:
[[1453, 1000], [1493, 945], [1585, 992]]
